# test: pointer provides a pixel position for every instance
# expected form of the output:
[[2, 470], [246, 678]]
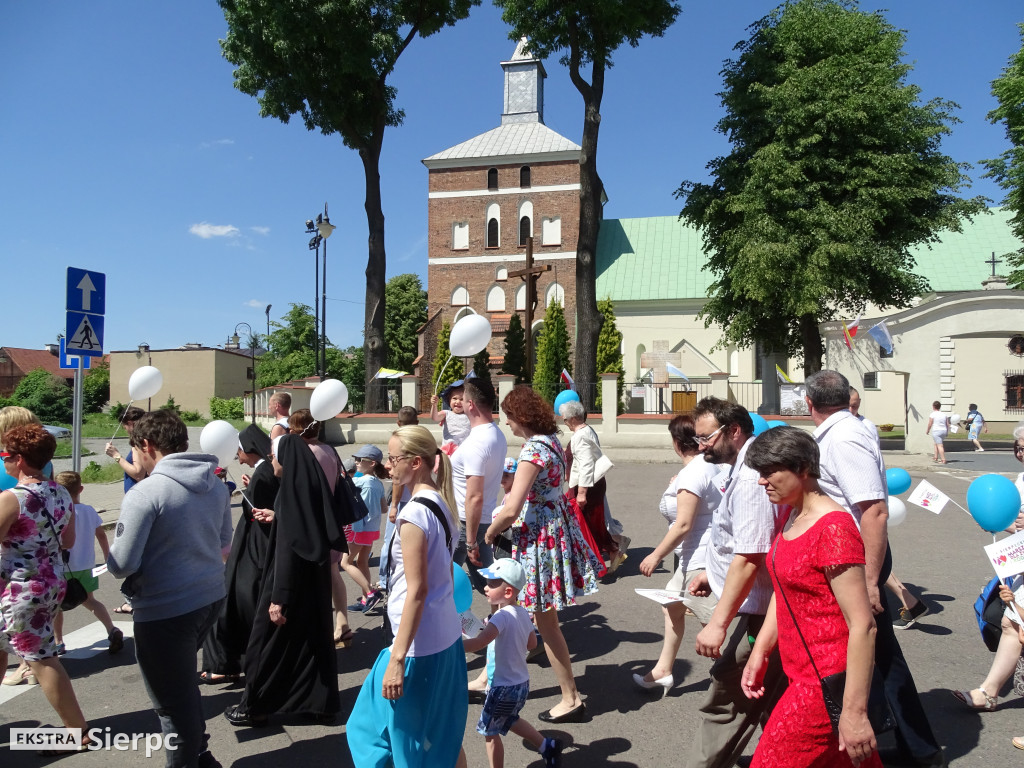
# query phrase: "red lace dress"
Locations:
[[798, 732]]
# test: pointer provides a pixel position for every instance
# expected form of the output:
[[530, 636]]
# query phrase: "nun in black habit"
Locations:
[[290, 663], [243, 572]]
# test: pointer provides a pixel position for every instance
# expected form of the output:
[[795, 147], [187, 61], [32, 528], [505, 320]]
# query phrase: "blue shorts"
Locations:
[[501, 708], [422, 729], [975, 429]]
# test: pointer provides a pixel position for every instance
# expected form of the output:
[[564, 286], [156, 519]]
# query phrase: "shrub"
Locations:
[[227, 409], [107, 473], [170, 405], [190, 416], [96, 387], [886, 427], [47, 396]]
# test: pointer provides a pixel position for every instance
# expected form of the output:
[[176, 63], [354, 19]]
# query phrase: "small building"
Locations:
[[16, 363]]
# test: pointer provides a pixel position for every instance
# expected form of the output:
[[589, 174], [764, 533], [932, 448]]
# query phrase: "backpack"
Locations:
[[988, 610]]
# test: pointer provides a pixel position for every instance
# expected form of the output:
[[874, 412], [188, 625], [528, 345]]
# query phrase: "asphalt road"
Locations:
[[610, 635]]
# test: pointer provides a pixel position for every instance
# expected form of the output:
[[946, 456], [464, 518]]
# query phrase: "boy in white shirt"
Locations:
[[507, 636]]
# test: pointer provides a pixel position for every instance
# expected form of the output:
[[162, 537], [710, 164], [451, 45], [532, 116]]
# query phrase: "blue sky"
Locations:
[[125, 149]]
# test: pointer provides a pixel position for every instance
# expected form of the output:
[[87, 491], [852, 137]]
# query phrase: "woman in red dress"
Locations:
[[817, 562]]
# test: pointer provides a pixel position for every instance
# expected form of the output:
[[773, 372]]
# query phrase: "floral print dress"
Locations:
[[549, 544], [30, 569]]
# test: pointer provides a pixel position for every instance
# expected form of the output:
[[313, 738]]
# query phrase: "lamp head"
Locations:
[[309, 225], [325, 228]]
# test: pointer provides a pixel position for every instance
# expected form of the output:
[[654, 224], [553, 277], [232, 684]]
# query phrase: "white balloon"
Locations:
[[470, 335], [220, 439], [145, 382], [954, 419], [897, 511], [328, 399]]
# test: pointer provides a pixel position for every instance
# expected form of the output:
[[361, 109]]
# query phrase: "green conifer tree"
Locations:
[[515, 350], [454, 370], [609, 351], [552, 353], [482, 364]]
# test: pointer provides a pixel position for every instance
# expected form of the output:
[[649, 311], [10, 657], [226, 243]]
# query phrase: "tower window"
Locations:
[[525, 230], [492, 233], [492, 178], [524, 176]]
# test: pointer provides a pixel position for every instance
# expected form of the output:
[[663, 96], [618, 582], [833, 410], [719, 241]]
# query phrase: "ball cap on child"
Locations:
[[510, 466], [508, 570], [446, 393], [369, 452]]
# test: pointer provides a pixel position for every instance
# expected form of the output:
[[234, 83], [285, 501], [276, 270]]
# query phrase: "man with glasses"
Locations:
[[741, 534], [853, 473]]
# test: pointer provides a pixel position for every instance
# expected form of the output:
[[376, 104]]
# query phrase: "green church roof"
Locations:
[[662, 258]]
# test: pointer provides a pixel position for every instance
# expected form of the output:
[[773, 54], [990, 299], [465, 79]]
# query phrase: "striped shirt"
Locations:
[[852, 469], [744, 524]]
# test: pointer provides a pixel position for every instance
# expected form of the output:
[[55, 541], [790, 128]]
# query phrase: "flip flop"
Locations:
[[208, 678], [967, 699], [345, 639], [125, 608]]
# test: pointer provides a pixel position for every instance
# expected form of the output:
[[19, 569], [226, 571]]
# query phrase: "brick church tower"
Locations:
[[486, 196]]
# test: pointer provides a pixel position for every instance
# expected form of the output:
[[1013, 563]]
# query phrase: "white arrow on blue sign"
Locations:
[[87, 292]]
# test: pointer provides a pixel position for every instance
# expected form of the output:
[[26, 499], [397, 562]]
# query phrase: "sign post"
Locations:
[[86, 305]]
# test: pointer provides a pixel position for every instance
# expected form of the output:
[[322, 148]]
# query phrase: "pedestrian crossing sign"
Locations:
[[84, 334]]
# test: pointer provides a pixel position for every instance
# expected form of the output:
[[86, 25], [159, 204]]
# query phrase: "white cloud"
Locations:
[[255, 303], [217, 143], [261, 230], [206, 230]]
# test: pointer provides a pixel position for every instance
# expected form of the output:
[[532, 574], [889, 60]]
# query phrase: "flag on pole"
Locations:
[[782, 375], [673, 371], [567, 380], [849, 331], [928, 497], [390, 373], [880, 333]]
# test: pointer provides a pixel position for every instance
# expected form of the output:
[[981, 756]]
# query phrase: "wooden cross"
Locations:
[[993, 261], [656, 360], [530, 275]]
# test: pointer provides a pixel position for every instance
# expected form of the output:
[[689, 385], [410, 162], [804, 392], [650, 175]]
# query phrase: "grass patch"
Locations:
[[103, 425], [108, 473], [64, 450]]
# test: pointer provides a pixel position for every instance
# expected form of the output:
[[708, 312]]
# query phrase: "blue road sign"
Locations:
[[84, 334], [87, 292], [70, 362]]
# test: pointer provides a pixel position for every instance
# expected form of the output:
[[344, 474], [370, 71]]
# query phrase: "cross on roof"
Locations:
[[656, 360], [993, 261]]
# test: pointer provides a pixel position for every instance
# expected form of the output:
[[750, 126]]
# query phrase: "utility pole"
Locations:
[[530, 275]]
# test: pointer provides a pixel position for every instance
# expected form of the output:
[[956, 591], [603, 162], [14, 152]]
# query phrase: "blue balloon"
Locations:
[[993, 501], [776, 423], [898, 480], [463, 590], [760, 425], [564, 397]]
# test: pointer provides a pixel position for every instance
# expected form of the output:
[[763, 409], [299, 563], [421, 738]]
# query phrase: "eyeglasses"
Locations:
[[8, 456], [703, 441], [395, 459], [1018, 449]]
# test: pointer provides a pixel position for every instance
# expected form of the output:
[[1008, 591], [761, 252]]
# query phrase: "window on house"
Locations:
[[496, 299], [551, 230], [524, 176], [492, 178], [871, 380], [521, 298], [500, 274], [460, 236], [1014, 383], [460, 297], [492, 233], [525, 230], [555, 293]]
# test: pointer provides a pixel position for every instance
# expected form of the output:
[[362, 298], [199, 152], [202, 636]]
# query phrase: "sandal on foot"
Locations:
[[344, 640], [1018, 742], [209, 678], [968, 700], [125, 608]]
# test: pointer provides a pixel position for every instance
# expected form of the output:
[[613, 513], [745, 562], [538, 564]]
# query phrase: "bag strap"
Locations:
[[433, 507], [782, 592], [49, 519]]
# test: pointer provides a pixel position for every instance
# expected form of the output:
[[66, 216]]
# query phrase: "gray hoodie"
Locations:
[[169, 537]]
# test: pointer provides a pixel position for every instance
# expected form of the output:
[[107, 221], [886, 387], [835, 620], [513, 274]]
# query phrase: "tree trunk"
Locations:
[[588, 318], [811, 337], [374, 350]]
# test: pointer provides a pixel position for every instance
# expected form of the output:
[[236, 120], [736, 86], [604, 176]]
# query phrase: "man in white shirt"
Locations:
[[742, 530], [864, 420], [477, 465], [853, 473]]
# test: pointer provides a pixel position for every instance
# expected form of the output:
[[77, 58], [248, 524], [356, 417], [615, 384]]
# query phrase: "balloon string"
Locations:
[[125, 413], [309, 427], [440, 376]]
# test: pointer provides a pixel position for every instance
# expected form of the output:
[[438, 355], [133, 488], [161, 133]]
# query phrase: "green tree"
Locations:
[[587, 32], [96, 387], [609, 351], [407, 311], [454, 370], [1008, 168], [293, 344], [552, 353], [482, 364], [515, 350], [330, 63], [46, 395], [835, 173]]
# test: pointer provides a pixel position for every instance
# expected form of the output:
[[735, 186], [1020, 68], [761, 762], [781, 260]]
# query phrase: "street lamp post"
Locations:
[[321, 230], [324, 228], [267, 345], [252, 355], [314, 245], [144, 350]]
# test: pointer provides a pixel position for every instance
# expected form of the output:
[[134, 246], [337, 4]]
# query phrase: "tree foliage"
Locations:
[[515, 350], [482, 364], [609, 351], [835, 173], [96, 387], [407, 311], [46, 395], [1008, 168], [444, 376], [330, 62], [587, 32], [552, 353]]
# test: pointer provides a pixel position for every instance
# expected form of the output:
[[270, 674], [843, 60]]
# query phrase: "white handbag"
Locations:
[[601, 467]]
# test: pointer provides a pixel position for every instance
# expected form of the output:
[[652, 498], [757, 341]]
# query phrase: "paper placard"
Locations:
[[660, 596], [927, 496], [99, 570], [471, 625], [1007, 555]]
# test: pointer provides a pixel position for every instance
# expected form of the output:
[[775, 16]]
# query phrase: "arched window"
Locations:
[[493, 225], [521, 298], [496, 299], [501, 273], [492, 178], [525, 221], [460, 235], [460, 296], [524, 176], [462, 313], [555, 293], [641, 350]]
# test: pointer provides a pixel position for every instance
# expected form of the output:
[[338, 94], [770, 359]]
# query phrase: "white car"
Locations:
[[61, 433]]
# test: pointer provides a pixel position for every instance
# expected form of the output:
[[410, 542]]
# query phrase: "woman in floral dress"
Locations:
[[546, 540], [36, 522]]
